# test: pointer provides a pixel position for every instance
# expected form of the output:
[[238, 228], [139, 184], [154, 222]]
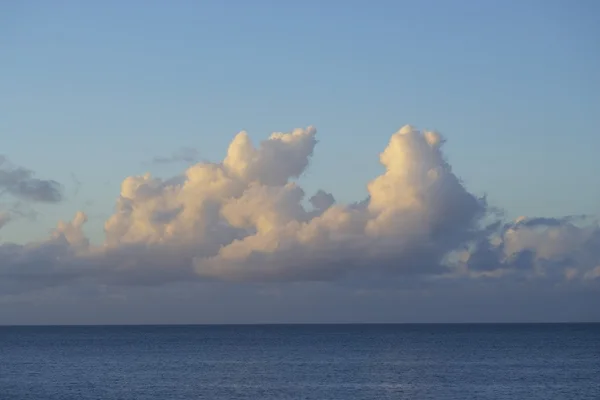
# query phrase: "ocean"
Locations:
[[279, 362]]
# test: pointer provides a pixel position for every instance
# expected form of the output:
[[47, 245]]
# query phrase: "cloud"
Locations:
[[245, 220], [538, 248], [21, 183]]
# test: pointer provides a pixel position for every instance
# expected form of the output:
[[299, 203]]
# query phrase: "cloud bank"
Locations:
[[246, 219]]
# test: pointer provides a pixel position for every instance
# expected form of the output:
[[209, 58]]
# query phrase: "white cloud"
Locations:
[[243, 219]]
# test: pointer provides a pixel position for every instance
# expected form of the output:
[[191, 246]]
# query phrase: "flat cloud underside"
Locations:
[[244, 219]]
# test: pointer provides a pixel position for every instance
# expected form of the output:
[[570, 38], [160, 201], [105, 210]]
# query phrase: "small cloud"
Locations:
[[186, 155], [20, 182]]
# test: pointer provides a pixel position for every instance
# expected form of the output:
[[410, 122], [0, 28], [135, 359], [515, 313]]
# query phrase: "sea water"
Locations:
[[279, 362]]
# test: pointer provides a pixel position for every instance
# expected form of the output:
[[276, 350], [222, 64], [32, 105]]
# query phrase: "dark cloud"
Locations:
[[21, 183], [543, 221]]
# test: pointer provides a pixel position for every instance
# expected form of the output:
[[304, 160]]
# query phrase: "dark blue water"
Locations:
[[344, 362]]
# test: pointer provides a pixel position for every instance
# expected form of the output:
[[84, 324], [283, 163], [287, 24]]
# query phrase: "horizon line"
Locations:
[[256, 324]]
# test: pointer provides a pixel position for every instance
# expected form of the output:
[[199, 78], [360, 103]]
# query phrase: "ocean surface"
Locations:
[[279, 362]]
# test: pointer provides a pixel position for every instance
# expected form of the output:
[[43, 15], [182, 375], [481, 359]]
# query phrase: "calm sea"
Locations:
[[278, 362]]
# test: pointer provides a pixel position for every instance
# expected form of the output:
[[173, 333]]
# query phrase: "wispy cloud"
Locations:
[[5, 218], [186, 155]]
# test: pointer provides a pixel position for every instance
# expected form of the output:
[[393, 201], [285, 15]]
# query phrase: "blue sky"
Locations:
[[96, 89]]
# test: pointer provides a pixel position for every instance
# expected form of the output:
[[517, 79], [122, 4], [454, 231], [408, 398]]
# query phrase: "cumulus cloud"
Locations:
[[538, 248], [245, 219]]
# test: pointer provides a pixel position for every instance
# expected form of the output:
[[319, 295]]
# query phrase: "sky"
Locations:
[[223, 162]]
